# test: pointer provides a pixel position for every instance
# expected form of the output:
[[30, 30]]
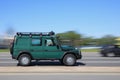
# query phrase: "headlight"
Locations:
[[76, 48]]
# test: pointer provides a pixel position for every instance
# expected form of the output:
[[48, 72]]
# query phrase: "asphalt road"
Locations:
[[89, 59], [61, 76]]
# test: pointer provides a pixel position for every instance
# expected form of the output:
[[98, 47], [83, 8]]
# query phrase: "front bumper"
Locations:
[[79, 56]]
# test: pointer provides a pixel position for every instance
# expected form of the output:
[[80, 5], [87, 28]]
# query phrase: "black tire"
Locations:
[[105, 55], [69, 60], [24, 60]]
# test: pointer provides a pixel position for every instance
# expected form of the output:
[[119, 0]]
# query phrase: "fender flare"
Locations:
[[24, 52]]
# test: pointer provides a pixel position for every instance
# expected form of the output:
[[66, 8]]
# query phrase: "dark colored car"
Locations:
[[110, 50]]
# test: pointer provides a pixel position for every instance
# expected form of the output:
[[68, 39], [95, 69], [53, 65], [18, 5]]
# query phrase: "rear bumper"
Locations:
[[13, 57]]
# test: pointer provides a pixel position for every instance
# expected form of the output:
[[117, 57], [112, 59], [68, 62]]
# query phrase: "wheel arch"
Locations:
[[24, 52], [68, 53]]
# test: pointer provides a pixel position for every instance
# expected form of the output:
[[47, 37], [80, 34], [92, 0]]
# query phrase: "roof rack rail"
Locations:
[[35, 33]]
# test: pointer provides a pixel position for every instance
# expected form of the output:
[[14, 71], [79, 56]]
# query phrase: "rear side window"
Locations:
[[36, 42], [22, 42]]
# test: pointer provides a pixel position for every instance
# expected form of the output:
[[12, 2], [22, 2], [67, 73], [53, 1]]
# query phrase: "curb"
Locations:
[[59, 69]]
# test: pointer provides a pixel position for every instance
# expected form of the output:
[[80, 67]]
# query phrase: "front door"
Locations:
[[51, 50]]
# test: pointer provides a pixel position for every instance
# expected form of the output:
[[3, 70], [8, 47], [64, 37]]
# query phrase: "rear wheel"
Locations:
[[24, 60], [69, 60], [111, 54], [104, 55]]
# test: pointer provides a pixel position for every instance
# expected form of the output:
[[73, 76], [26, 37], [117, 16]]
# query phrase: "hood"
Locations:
[[67, 47]]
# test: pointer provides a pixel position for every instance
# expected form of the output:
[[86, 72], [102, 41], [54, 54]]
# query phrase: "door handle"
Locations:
[[46, 50]]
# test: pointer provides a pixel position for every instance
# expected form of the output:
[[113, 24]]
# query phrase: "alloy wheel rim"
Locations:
[[25, 60], [70, 60]]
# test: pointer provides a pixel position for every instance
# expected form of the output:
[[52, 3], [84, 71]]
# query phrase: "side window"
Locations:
[[36, 42], [49, 42], [22, 41]]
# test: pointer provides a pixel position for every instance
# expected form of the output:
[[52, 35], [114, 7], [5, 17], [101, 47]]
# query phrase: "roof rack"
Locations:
[[35, 33]]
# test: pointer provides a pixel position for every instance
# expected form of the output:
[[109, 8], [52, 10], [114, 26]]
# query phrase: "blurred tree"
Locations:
[[10, 31], [80, 40], [73, 36], [106, 40], [88, 41]]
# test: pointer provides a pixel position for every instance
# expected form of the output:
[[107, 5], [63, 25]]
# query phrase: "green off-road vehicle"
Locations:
[[28, 46]]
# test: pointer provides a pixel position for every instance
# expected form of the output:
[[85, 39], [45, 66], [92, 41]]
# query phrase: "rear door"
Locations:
[[36, 47]]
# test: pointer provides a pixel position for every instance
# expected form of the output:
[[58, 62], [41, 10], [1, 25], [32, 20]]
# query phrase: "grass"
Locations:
[[90, 50], [82, 50], [4, 50]]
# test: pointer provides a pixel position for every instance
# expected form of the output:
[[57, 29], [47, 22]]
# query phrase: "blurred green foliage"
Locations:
[[78, 39], [74, 37]]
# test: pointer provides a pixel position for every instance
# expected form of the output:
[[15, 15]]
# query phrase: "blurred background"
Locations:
[[88, 24]]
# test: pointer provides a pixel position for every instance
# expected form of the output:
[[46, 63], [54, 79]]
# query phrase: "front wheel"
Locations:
[[24, 60], [69, 60]]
